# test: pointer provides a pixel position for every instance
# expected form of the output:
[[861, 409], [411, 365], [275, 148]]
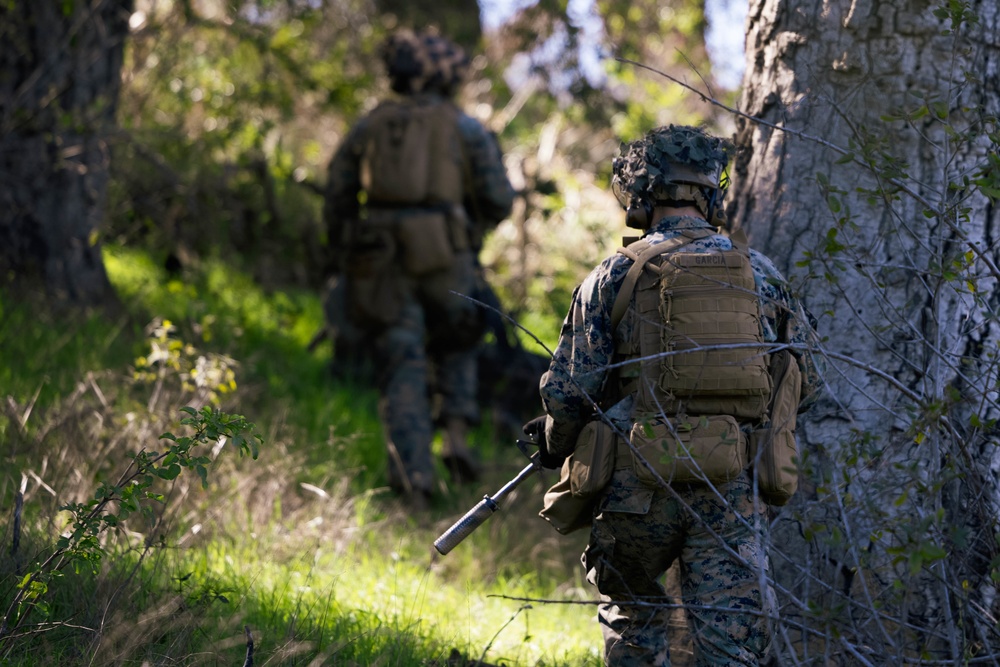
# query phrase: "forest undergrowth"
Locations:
[[297, 556]]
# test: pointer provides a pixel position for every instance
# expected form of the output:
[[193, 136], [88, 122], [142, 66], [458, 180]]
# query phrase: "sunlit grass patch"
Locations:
[[381, 595], [220, 308], [218, 301], [305, 545]]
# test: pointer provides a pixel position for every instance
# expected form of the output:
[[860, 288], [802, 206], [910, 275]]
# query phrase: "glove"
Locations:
[[535, 429]]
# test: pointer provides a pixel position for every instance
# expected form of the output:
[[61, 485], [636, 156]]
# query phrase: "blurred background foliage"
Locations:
[[227, 117], [230, 112]]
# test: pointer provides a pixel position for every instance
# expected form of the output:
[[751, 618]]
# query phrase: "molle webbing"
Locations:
[[698, 333], [640, 252]]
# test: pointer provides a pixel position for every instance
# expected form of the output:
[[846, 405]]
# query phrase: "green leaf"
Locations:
[[203, 473], [169, 472]]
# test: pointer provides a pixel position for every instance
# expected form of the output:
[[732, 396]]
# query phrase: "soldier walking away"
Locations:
[[671, 338], [411, 191]]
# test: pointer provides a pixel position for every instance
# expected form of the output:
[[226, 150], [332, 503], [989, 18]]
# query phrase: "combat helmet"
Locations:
[[676, 165], [424, 62]]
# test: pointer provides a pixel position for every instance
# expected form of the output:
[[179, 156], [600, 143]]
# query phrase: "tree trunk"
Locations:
[[60, 65], [872, 182]]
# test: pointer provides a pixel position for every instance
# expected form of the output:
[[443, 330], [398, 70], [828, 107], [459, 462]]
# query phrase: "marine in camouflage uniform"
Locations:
[[714, 531], [425, 342]]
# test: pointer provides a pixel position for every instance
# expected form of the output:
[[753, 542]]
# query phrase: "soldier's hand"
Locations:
[[535, 429]]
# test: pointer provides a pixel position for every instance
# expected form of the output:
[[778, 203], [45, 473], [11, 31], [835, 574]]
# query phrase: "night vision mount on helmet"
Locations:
[[671, 166]]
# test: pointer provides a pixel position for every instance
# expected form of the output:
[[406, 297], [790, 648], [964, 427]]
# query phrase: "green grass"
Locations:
[[304, 546]]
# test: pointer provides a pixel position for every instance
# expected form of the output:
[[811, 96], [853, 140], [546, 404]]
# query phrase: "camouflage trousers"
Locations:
[[416, 358], [714, 535]]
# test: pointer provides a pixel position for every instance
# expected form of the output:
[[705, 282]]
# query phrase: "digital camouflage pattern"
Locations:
[[407, 369], [639, 531], [425, 345], [585, 352]]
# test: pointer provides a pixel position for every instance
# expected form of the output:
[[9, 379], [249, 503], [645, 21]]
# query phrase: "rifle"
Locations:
[[478, 515]]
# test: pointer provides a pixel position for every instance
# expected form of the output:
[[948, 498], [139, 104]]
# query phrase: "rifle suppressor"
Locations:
[[478, 515]]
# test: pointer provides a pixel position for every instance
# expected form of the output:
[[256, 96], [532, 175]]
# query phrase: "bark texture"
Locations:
[[60, 73], [894, 539]]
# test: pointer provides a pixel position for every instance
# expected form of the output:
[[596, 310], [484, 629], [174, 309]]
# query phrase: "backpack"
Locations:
[[413, 154], [699, 332], [702, 362], [412, 167]]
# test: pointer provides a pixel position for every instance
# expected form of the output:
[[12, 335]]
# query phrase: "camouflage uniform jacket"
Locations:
[[581, 364], [488, 199]]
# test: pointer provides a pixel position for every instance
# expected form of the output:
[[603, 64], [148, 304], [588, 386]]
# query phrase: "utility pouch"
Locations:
[[593, 460], [683, 450], [567, 513], [569, 504], [425, 242], [773, 452], [459, 228], [375, 290]]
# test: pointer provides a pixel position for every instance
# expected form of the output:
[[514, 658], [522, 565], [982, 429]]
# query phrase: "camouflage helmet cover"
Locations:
[[424, 61], [651, 168]]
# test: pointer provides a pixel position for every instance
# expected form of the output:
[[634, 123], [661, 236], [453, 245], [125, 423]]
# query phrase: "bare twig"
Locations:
[[249, 661]]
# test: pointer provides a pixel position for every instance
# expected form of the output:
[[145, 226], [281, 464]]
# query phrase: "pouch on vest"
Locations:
[[375, 289], [684, 450], [569, 504], [425, 242], [773, 451], [593, 460]]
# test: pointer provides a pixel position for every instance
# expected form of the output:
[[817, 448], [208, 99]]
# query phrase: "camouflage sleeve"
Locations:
[[343, 184], [490, 197], [580, 363], [785, 320]]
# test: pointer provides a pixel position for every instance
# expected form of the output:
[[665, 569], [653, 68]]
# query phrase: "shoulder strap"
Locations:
[[640, 253], [739, 240]]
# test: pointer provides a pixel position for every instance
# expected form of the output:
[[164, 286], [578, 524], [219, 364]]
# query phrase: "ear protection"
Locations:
[[716, 215], [639, 214]]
